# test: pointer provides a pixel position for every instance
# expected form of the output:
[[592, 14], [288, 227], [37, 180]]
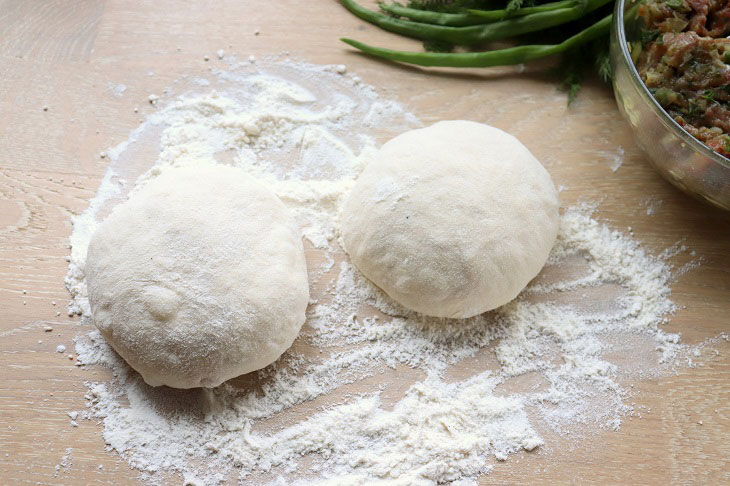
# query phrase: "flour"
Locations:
[[618, 159], [66, 462], [652, 204], [369, 393]]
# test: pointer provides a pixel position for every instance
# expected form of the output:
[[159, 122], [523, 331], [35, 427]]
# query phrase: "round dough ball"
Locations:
[[451, 220], [198, 277]]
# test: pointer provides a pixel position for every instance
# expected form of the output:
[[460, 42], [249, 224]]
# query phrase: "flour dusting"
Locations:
[[369, 392]]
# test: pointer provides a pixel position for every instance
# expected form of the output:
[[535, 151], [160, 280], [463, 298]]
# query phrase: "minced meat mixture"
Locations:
[[685, 62]]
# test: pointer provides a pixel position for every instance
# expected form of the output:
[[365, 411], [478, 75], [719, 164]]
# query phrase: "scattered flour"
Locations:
[[618, 159], [66, 462], [117, 89], [652, 204], [369, 393]]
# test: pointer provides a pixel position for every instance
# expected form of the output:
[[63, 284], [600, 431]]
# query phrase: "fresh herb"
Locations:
[[571, 76], [709, 95], [576, 29], [513, 5], [603, 61], [648, 36], [571, 70], [678, 5]]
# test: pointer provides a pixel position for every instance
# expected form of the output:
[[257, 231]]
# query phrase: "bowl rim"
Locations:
[[665, 118]]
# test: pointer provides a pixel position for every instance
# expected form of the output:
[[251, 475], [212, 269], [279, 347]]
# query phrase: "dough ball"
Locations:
[[451, 220], [198, 277]]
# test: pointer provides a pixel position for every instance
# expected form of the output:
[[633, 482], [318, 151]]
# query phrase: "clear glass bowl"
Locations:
[[678, 156]]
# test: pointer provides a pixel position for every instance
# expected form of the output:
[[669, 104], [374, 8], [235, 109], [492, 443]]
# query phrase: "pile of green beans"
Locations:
[[475, 27]]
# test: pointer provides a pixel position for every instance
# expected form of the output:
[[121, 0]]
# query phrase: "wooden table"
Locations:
[[65, 55]]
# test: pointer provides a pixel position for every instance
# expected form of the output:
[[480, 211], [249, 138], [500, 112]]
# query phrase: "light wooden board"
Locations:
[[67, 54]]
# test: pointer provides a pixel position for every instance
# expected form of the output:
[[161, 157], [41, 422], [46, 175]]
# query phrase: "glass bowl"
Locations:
[[678, 156]]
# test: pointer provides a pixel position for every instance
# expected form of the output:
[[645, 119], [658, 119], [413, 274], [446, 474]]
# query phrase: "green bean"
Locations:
[[475, 34], [434, 18], [471, 17], [496, 15], [500, 57]]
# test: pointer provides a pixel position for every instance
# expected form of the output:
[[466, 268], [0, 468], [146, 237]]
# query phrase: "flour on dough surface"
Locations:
[[451, 220], [198, 277]]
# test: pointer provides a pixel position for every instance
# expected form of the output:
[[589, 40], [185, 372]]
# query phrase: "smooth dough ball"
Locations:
[[451, 220], [198, 277]]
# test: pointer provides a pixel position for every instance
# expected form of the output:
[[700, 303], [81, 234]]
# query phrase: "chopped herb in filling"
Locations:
[[684, 61]]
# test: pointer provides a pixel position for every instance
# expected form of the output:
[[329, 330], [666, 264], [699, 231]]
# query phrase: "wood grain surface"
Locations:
[[67, 56]]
